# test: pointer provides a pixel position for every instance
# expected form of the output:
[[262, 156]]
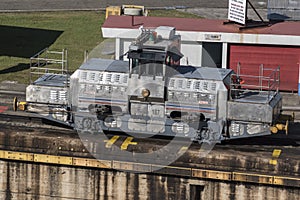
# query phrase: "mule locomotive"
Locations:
[[151, 93]]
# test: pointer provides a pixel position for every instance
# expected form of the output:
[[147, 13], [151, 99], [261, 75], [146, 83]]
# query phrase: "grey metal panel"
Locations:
[[255, 97], [106, 65], [56, 80], [249, 112], [47, 94], [203, 72], [186, 71], [155, 86], [222, 104]]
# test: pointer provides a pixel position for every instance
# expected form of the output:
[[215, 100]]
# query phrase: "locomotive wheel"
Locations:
[[287, 127], [15, 104], [87, 123]]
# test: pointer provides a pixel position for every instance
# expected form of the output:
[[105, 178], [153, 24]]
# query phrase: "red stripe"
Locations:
[[103, 103], [3, 109], [185, 109]]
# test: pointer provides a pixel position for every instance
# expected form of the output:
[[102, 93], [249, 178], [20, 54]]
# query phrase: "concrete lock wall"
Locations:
[[22, 181]]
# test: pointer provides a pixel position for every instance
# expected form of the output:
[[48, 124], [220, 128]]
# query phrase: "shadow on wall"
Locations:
[[25, 42]]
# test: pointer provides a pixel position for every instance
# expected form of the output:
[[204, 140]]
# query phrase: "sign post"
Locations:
[[237, 13]]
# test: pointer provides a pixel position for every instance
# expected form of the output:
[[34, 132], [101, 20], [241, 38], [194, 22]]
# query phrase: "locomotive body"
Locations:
[[153, 94]]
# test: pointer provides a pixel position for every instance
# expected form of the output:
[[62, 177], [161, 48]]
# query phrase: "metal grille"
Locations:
[[54, 95]]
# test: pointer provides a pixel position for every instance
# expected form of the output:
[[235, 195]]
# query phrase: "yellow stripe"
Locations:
[[18, 155], [127, 142], [273, 162], [92, 163], [211, 174], [130, 166], [63, 160], [179, 171], [110, 142], [276, 153], [254, 178]]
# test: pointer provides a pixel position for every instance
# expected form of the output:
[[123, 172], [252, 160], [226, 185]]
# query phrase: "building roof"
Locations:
[[199, 25]]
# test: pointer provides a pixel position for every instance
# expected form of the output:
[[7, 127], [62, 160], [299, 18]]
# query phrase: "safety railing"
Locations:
[[49, 62], [266, 83], [146, 34]]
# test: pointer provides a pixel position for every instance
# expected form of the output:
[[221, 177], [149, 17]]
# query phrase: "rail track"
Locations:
[[25, 132]]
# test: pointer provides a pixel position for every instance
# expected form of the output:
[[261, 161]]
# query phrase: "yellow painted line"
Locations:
[[254, 178], [112, 140], [127, 142], [276, 153], [131, 166], [13, 155], [287, 181], [142, 167], [273, 162], [211, 174], [2, 154], [87, 162], [63, 160]]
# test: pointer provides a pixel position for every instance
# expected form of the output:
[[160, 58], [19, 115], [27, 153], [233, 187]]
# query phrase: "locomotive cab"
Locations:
[[150, 56]]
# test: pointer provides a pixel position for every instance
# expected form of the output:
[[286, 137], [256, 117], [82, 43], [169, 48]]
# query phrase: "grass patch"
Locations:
[[172, 13], [78, 31]]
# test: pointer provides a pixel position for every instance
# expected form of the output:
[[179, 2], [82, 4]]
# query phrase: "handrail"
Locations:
[[39, 64], [266, 82]]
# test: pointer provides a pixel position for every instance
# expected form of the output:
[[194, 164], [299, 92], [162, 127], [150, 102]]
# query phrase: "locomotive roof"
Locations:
[[210, 73], [96, 64]]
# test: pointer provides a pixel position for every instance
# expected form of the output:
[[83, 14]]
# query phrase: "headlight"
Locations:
[[180, 127], [111, 122], [145, 93]]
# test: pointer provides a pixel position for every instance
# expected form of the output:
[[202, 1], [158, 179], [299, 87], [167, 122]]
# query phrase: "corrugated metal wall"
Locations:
[[251, 57], [284, 9]]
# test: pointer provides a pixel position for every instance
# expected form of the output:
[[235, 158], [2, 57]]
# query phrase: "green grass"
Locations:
[[80, 31], [172, 13]]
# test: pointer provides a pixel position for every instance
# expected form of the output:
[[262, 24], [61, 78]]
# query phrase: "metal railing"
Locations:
[[49, 62], [266, 82]]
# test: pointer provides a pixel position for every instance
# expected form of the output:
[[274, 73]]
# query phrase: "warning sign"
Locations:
[[237, 11]]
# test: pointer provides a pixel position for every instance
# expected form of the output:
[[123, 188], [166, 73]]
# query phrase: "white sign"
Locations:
[[237, 10]]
